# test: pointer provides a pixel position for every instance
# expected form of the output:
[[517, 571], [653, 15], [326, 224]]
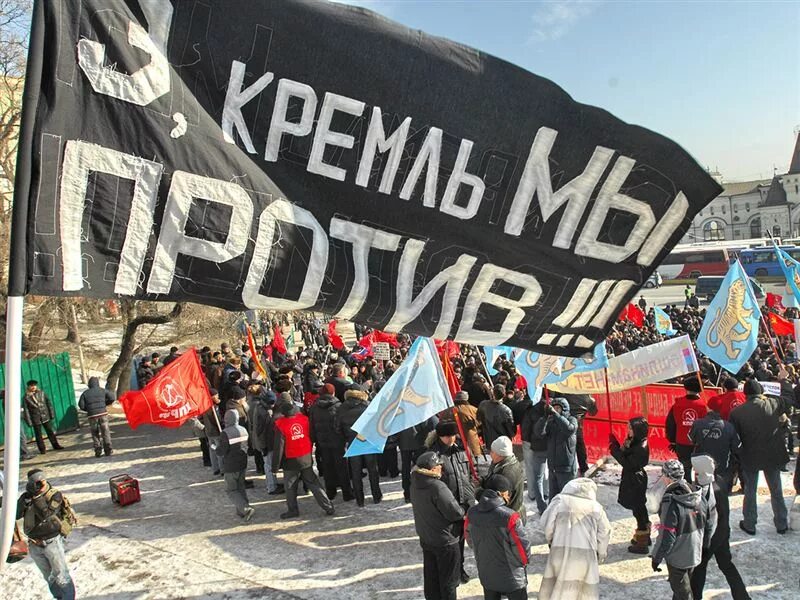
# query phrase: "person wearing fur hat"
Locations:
[[684, 412], [761, 423], [560, 430], [232, 449], [455, 471], [437, 519], [506, 464], [355, 403], [633, 455], [292, 453], [468, 415]]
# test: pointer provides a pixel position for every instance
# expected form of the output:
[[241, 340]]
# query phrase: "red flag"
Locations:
[[449, 347], [452, 381], [633, 314], [176, 394], [781, 326], [378, 336], [336, 340], [775, 301], [251, 343], [277, 342]]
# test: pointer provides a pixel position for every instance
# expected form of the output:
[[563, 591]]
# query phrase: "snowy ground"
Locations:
[[184, 541]]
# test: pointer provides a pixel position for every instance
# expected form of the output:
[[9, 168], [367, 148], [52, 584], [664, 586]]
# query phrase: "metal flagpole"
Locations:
[[12, 416]]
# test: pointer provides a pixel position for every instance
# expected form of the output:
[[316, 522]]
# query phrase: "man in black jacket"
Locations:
[[338, 380], [355, 403], [560, 430], [330, 443], [437, 519], [38, 413], [534, 454], [411, 442], [579, 406], [495, 418], [95, 401], [44, 511]]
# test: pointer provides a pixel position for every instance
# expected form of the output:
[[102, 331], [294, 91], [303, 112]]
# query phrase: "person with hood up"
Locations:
[[455, 472], [95, 401], [232, 448], [506, 464], [355, 403], [633, 455], [717, 437], [560, 431], [262, 432], [685, 529], [495, 418], [497, 537], [761, 424], [330, 443], [577, 530], [437, 519], [292, 452]]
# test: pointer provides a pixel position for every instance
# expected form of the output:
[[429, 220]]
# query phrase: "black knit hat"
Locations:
[[446, 428]]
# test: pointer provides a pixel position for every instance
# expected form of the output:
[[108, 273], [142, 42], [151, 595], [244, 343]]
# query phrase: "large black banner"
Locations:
[[308, 155]]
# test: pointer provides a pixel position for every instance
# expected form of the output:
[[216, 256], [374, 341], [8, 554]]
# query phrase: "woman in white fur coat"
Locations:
[[577, 530]]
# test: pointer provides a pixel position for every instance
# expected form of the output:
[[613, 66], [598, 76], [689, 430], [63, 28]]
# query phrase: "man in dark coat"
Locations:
[[94, 401], [534, 453], [211, 425], [437, 519], [338, 380], [411, 442], [761, 424], [38, 413], [506, 464], [476, 387], [232, 449], [330, 443], [716, 437], [560, 429], [495, 418], [355, 403], [261, 421], [145, 372], [455, 472], [498, 539]]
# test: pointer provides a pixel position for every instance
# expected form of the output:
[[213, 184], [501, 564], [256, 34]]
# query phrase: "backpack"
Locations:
[[68, 519]]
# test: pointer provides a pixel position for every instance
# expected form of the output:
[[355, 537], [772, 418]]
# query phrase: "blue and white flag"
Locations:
[[791, 271], [415, 393], [493, 353], [598, 359], [729, 334], [543, 369], [663, 322]]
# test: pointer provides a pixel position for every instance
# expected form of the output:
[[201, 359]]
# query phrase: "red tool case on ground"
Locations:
[[124, 489]]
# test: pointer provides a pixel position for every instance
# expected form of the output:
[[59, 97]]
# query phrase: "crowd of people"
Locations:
[[293, 414]]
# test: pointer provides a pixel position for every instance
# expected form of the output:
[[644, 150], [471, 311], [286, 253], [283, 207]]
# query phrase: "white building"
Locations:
[[749, 209]]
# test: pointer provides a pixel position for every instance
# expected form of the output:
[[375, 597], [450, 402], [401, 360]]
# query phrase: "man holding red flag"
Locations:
[[178, 393]]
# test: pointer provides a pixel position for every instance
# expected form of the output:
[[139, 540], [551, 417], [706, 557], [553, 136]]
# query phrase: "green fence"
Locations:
[[54, 375]]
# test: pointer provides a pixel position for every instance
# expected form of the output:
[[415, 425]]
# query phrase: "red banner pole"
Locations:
[[608, 399]]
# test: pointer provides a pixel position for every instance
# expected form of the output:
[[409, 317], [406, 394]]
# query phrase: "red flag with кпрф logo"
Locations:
[[176, 394]]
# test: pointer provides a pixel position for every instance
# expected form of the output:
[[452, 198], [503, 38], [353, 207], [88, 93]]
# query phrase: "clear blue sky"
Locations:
[[720, 78]]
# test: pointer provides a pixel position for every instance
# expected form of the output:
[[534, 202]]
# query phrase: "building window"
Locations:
[[776, 230], [723, 210], [736, 208], [712, 231], [747, 207], [755, 227], [711, 210]]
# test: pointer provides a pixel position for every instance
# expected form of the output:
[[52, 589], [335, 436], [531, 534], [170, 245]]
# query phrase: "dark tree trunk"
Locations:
[[117, 378], [44, 313], [66, 306]]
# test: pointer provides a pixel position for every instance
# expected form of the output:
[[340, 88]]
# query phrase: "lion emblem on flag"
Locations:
[[731, 323]]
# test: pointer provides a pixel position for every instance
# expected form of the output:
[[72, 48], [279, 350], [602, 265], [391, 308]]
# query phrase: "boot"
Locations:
[[641, 542]]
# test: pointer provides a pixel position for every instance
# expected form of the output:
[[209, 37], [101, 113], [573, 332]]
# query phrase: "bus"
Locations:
[[692, 262], [762, 262]]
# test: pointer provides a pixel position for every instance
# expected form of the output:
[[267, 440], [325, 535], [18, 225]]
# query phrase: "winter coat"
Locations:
[[716, 437], [95, 399], [761, 425], [144, 374], [232, 446], [468, 415], [497, 537], [577, 529], [41, 518], [413, 438], [261, 423], [210, 422], [438, 518], [455, 469], [478, 392], [511, 469], [725, 403], [633, 457], [349, 412], [496, 420], [341, 385], [685, 527], [323, 423], [530, 417], [37, 408], [560, 430]]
